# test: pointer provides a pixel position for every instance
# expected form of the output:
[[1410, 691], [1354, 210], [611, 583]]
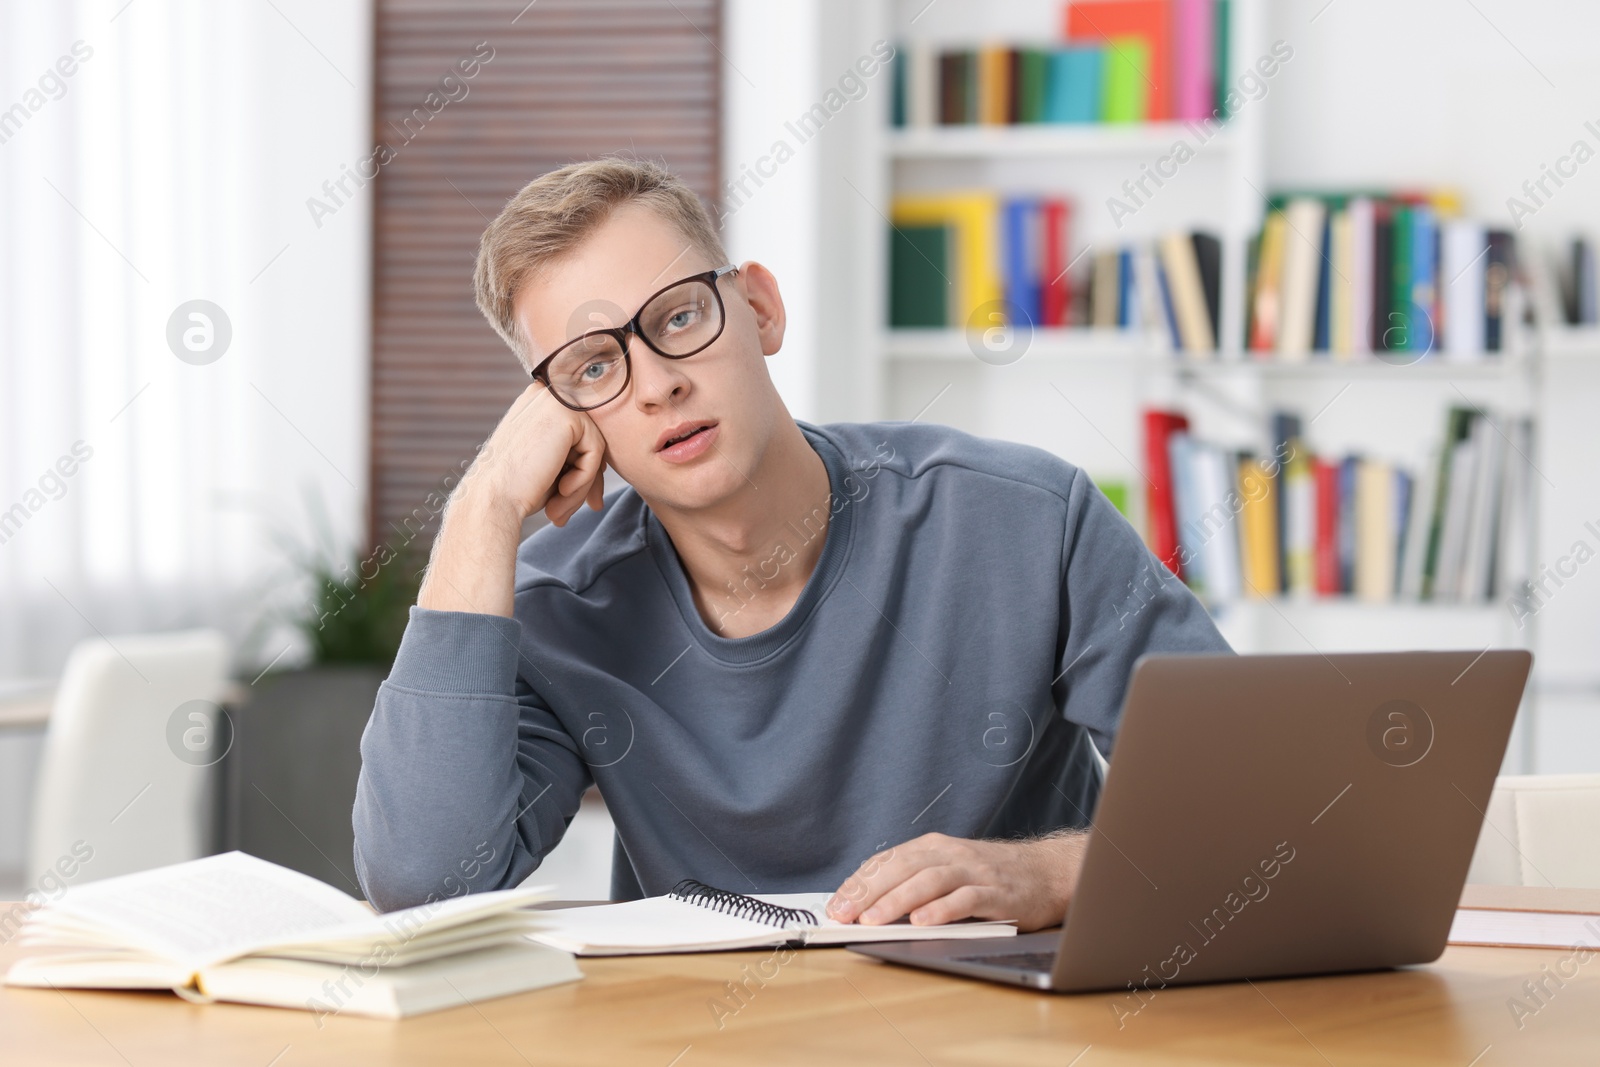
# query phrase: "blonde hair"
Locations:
[[552, 214]]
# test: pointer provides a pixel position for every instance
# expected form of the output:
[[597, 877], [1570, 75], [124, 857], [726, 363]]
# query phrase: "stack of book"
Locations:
[[1122, 61], [1353, 275], [961, 259], [1238, 524]]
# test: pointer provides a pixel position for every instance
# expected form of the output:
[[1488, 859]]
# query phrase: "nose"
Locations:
[[657, 381]]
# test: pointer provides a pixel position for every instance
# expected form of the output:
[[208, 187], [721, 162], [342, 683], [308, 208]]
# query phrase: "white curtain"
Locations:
[[154, 153]]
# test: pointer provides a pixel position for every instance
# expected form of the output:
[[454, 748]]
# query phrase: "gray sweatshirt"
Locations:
[[968, 631]]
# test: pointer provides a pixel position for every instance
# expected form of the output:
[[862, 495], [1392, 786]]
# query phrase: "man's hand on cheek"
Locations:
[[938, 879]]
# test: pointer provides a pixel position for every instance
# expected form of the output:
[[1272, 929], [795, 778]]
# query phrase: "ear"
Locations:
[[760, 291]]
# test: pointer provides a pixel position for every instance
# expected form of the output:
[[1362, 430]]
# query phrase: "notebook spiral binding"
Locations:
[[692, 891]]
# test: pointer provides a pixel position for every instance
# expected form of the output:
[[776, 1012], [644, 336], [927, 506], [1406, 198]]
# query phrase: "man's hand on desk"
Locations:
[[939, 879]]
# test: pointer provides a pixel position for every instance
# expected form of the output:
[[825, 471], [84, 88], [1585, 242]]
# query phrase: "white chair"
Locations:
[[123, 772], [1541, 829]]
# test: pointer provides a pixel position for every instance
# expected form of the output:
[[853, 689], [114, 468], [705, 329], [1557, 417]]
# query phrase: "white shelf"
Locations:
[[1577, 342], [1047, 140], [1101, 347]]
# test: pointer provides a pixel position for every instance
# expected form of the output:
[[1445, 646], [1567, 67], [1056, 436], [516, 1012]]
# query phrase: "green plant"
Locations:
[[360, 600], [361, 606]]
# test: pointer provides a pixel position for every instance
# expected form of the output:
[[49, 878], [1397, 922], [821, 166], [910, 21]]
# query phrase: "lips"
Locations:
[[682, 432]]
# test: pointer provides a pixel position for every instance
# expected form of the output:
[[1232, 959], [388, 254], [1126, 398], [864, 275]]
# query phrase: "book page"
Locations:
[[202, 911], [1538, 929]]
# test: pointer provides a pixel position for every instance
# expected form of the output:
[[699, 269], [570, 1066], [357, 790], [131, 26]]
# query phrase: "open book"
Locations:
[[694, 917], [1526, 916], [234, 927]]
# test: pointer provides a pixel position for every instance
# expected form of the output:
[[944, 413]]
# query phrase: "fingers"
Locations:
[[883, 872], [923, 887], [583, 480]]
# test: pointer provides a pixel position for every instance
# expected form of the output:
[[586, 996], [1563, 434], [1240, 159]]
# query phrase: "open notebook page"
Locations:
[[662, 924]]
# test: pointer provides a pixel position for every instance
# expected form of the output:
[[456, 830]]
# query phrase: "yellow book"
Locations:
[[972, 218], [1188, 296], [994, 85], [1375, 531], [1258, 543]]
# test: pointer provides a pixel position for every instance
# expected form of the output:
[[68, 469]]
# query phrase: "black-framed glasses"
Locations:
[[676, 322]]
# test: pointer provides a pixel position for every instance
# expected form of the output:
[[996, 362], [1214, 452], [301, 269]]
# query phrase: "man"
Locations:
[[866, 658]]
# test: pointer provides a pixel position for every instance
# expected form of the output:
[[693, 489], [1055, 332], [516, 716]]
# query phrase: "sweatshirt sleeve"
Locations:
[[1118, 601], [467, 778]]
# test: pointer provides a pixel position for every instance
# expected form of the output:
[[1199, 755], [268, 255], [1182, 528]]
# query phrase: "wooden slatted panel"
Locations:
[[569, 79]]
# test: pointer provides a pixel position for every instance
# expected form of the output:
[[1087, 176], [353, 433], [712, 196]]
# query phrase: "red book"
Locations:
[[1327, 533], [1162, 515], [1057, 295], [1097, 21]]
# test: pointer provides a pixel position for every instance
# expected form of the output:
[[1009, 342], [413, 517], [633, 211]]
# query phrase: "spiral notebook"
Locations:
[[695, 917]]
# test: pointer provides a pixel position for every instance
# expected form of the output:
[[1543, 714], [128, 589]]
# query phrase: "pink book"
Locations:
[[1193, 83]]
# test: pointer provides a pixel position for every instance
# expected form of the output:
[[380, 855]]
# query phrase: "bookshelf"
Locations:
[[1078, 391]]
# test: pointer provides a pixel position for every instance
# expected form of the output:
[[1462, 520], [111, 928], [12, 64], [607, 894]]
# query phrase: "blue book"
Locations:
[[1125, 293], [1021, 260], [1320, 341], [1424, 276], [1072, 85], [1403, 485], [1166, 306], [1347, 523], [1181, 455]]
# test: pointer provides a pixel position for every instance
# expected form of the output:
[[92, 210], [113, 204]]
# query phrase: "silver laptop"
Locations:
[[1269, 816]]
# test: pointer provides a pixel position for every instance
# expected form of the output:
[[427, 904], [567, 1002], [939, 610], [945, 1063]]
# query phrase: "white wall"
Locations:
[[769, 206], [187, 146]]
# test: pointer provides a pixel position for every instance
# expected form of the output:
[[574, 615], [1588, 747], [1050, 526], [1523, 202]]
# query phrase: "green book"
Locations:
[[1219, 38], [918, 268], [1398, 329], [1031, 84], [1127, 84]]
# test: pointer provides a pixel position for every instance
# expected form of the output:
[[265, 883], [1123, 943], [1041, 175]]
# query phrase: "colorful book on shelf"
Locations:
[[1074, 86], [1055, 298], [1301, 257], [1258, 517], [919, 276], [1022, 261], [1221, 36], [971, 216], [1267, 303], [1400, 333], [1160, 510], [1349, 274], [994, 84], [1032, 79], [1188, 291], [1125, 97], [1326, 550], [1375, 525], [1286, 444], [1500, 263], [1138, 34], [1194, 52], [1317, 526]]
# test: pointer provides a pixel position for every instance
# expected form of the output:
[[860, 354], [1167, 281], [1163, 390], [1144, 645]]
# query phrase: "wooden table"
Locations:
[[831, 1006]]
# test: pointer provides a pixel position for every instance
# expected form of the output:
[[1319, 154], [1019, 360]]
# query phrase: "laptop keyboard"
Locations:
[[1023, 961]]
